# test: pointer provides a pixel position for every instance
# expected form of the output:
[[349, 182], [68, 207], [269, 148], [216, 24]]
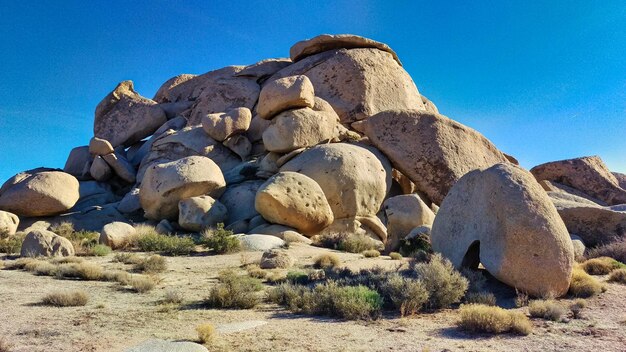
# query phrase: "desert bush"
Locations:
[[356, 244], [445, 285], [484, 298], [152, 241], [584, 285], [235, 291], [12, 244], [576, 307], [418, 244], [372, 253], [395, 256], [615, 250], [83, 241], [475, 278], [546, 309], [256, 272], [297, 277], [326, 261], [141, 283], [404, 294], [206, 333], [120, 276], [618, 276], [66, 299], [41, 268], [18, 264], [100, 250], [600, 265], [83, 271], [65, 229], [127, 258], [66, 260], [494, 320], [521, 299], [173, 297], [152, 264], [220, 240]]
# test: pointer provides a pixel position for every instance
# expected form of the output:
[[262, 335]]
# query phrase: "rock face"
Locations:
[[357, 83], [223, 125], [295, 200], [197, 213], [164, 185], [39, 192], [8, 223], [586, 174], [78, 163], [502, 218], [326, 42], [353, 179], [403, 213], [47, 244], [116, 234], [100, 169], [124, 117], [285, 93], [430, 149], [621, 179]]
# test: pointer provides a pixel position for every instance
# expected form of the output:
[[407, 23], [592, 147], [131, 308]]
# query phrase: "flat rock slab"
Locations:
[[240, 326], [156, 345]]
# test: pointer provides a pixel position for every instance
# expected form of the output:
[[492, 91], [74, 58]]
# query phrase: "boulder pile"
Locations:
[[334, 141]]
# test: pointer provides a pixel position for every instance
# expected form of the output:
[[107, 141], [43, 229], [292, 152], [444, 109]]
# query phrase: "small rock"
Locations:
[[116, 234], [197, 213], [99, 146], [47, 244], [223, 125]]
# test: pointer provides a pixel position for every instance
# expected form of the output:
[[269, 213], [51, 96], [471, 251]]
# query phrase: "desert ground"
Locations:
[[115, 319]]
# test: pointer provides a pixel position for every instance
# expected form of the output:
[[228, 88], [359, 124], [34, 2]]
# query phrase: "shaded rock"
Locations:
[[8, 223], [157, 345], [621, 179], [275, 258], [283, 94], [197, 213], [121, 167], [39, 192], [239, 200], [246, 170], [100, 170], [579, 246], [566, 191], [78, 163], [130, 203], [174, 124], [295, 200], [124, 117], [99, 146], [239, 145], [502, 218], [404, 213], [587, 174], [92, 193], [326, 42], [357, 83], [256, 242], [264, 68], [164, 185], [257, 127], [173, 110], [47, 244], [220, 126], [164, 227], [432, 150], [116, 234], [163, 93], [423, 230], [92, 218]]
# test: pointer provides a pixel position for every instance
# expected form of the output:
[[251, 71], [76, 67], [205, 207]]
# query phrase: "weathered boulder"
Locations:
[[197, 213], [8, 223], [357, 83], [578, 245], [93, 193], [100, 170], [325, 42], [295, 200], [239, 200], [99, 146], [46, 243], [402, 214], [220, 126], [78, 163], [130, 203], [285, 93], [163, 94], [264, 68], [124, 117], [354, 180], [432, 150], [588, 174], [256, 129], [175, 124], [240, 145], [39, 192], [164, 185], [91, 218], [116, 234], [276, 258], [502, 218], [299, 128], [121, 167], [256, 242]]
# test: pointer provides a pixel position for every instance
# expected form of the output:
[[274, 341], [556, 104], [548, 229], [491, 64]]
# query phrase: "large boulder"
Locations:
[[164, 93], [285, 93], [502, 218], [256, 242], [47, 244], [175, 124], [121, 167], [100, 170], [325, 42], [198, 213], [8, 223], [354, 180], [116, 234], [587, 174], [402, 214], [621, 179], [124, 117], [430, 149], [299, 128], [264, 68], [223, 125], [295, 200], [164, 185], [357, 83], [39, 192], [78, 163]]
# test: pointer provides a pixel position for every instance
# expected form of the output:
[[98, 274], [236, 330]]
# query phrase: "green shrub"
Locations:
[[235, 291], [584, 285], [298, 277], [484, 298], [12, 244], [83, 241], [326, 261], [169, 245], [615, 250], [395, 256], [357, 244], [372, 253], [64, 229], [220, 241], [618, 276], [100, 250], [152, 264], [66, 299], [494, 320], [405, 294], [418, 244], [548, 309], [445, 285]]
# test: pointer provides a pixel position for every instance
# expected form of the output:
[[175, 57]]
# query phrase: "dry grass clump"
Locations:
[[546, 309], [618, 276], [235, 291], [395, 256], [141, 283], [615, 250], [66, 260], [84, 271], [100, 250], [255, 271], [152, 264], [600, 265], [445, 285], [127, 258], [120, 276], [576, 307], [484, 298], [173, 297], [372, 253], [66, 299], [479, 318], [326, 261], [206, 333], [41, 268], [584, 285], [521, 299], [84, 242], [220, 240]]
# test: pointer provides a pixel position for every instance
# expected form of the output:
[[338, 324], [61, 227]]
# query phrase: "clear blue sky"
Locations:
[[544, 80]]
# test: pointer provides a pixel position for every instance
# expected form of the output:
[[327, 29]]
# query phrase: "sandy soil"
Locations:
[[115, 319]]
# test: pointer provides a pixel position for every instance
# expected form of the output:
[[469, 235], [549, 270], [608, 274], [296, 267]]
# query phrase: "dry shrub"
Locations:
[[476, 280], [546, 309], [100, 250], [326, 261], [151, 265], [615, 250], [141, 283], [584, 285], [494, 320], [395, 256], [372, 253], [484, 298], [127, 258], [405, 294], [83, 241], [618, 276], [173, 297], [600, 265], [41, 268], [66, 299], [84, 271], [120, 276], [576, 307], [206, 333], [445, 285], [66, 260], [521, 299], [19, 263], [256, 272], [235, 291]]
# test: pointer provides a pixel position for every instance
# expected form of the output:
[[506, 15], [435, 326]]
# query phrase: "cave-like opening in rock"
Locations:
[[471, 259]]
